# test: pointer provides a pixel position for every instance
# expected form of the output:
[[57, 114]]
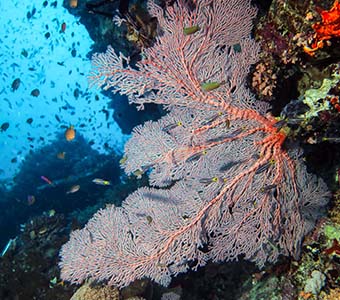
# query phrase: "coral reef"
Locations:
[[89, 292], [29, 270], [306, 88], [315, 276], [223, 159]]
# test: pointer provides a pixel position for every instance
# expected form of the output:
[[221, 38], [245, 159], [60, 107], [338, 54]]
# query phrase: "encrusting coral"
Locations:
[[89, 292]]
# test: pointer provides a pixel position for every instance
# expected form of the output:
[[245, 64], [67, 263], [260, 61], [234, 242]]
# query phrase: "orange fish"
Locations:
[[73, 3], [61, 155], [70, 133]]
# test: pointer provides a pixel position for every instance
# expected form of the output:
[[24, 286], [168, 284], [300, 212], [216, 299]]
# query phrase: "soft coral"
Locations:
[[328, 28]]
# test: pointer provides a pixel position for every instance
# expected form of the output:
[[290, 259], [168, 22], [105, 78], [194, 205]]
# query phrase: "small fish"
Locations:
[[149, 219], [235, 133], [228, 166], [74, 52], [106, 146], [207, 181], [138, 173], [51, 213], [30, 200], [57, 118], [169, 127], [195, 156], [4, 126], [54, 280], [61, 155], [191, 30], [101, 181], [24, 53], [210, 85], [263, 168], [10, 245], [268, 188], [70, 133], [280, 124], [46, 180], [212, 119], [35, 93], [337, 176], [63, 27], [29, 121], [14, 160], [76, 93], [73, 3], [107, 113], [228, 136], [73, 189], [217, 139], [123, 160], [15, 84], [331, 139], [43, 230]]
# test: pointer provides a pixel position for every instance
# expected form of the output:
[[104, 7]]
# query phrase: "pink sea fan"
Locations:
[[224, 186]]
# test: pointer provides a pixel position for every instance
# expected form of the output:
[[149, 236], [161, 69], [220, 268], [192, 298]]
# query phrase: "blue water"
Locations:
[[50, 57], [44, 63]]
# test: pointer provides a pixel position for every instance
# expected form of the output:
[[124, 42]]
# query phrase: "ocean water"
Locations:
[[45, 49]]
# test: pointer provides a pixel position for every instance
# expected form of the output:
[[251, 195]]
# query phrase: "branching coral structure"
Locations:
[[224, 186]]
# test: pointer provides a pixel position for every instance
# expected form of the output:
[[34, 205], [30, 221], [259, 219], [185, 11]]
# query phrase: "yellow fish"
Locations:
[[101, 181]]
